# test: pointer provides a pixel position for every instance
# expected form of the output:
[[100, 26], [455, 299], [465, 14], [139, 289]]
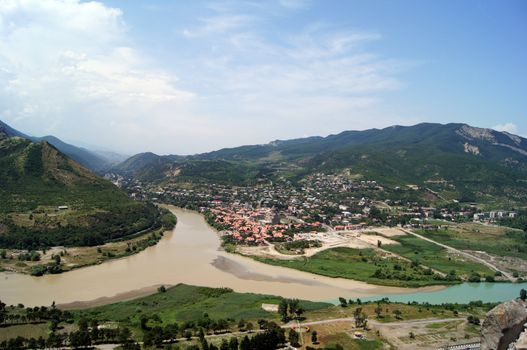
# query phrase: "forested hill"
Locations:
[[462, 161], [450, 138], [36, 179]]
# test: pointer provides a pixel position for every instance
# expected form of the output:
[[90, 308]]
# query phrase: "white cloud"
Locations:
[[71, 69], [508, 127], [67, 62]]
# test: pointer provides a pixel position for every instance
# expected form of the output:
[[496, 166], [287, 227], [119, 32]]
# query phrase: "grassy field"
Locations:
[[388, 313], [495, 240], [189, 303], [185, 304], [362, 265], [342, 333], [434, 256], [24, 330]]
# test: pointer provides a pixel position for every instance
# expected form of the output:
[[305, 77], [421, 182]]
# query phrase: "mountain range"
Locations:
[[97, 161], [453, 161], [457, 161]]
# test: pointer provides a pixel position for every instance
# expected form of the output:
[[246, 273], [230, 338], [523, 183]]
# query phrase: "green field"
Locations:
[[181, 311], [434, 256], [347, 342], [24, 330], [363, 265], [189, 303], [500, 241]]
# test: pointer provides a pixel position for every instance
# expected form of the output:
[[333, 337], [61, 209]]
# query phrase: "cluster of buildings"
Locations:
[[280, 210], [492, 216], [254, 226]]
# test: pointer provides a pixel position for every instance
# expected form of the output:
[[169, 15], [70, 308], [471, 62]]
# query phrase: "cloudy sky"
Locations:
[[192, 76]]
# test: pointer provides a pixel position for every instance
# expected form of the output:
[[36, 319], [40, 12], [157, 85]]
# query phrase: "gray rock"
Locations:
[[503, 325]]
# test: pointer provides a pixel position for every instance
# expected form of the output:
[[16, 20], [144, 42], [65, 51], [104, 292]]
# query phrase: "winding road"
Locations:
[[468, 255]]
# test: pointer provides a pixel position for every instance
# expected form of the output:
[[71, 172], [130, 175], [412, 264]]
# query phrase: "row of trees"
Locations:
[[11, 315], [88, 334]]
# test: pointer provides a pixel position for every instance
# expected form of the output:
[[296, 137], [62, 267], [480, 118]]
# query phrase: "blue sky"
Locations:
[[193, 76]]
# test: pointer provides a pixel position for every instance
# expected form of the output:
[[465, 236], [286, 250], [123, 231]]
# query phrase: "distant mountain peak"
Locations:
[[7, 131]]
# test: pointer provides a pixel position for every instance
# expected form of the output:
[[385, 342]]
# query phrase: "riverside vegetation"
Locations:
[[48, 200], [189, 317]]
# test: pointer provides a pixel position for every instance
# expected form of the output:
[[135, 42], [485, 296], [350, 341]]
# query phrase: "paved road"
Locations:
[[468, 255]]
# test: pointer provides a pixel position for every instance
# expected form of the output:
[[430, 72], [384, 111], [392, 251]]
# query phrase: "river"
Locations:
[[191, 254]]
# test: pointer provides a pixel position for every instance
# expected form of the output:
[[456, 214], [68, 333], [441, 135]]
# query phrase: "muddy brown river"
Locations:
[[189, 254]]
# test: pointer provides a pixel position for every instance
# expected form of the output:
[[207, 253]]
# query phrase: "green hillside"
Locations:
[[36, 179], [456, 161]]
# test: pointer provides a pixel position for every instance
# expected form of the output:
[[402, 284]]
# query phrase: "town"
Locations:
[[281, 211]]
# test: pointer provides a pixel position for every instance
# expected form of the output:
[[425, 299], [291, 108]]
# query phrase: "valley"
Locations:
[[261, 225]]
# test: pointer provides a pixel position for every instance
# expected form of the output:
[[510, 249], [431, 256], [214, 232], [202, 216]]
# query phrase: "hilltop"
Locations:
[[47, 199], [94, 161]]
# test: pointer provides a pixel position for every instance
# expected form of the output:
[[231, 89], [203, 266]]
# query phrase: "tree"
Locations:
[[299, 312], [143, 322], [94, 325], [360, 318], [398, 314], [293, 337], [224, 344], [245, 344], [162, 289], [233, 343], [473, 319], [241, 324], [124, 335], [523, 294], [343, 302], [80, 339], [314, 337], [204, 344], [293, 306], [53, 326], [378, 310], [282, 309]]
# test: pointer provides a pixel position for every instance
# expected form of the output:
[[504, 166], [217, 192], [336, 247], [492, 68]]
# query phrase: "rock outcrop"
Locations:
[[503, 325]]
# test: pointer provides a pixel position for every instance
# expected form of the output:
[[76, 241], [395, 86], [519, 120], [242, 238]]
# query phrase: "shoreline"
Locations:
[[221, 265], [119, 297], [113, 247], [26, 270], [190, 254]]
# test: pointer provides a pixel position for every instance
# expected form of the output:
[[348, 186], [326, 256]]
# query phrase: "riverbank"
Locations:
[[185, 255], [182, 310], [61, 259], [71, 258]]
